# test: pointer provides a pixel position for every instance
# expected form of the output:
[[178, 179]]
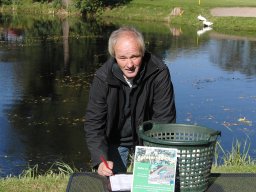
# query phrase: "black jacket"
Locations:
[[152, 98]]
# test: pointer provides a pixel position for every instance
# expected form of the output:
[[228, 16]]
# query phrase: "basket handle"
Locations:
[[216, 133]]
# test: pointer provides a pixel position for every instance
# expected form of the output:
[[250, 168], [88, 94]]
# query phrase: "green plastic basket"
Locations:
[[196, 146]]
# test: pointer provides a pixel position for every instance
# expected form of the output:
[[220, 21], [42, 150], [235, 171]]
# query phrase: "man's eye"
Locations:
[[135, 57]]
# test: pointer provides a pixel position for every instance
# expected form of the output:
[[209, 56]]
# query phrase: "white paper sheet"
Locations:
[[121, 182]]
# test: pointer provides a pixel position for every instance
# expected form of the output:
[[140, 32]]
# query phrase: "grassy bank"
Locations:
[[56, 178], [31, 180], [159, 10], [46, 183], [58, 182], [234, 169]]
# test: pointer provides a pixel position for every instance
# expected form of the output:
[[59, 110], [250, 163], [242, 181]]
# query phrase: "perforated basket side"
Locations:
[[179, 134], [195, 146]]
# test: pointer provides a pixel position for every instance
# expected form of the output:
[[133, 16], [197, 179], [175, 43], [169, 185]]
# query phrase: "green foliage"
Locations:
[[57, 4], [94, 6], [9, 2], [58, 167], [55, 179], [130, 163], [61, 168], [88, 6], [238, 156], [5, 2]]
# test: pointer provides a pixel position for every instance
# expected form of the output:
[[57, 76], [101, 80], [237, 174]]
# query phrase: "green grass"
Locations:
[[56, 178], [58, 182], [238, 156], [46, 183], [234, 169], [159, 10], [237, 160], [30, 180]]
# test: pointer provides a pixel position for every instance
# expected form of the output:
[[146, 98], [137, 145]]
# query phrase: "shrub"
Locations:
[[88, 6]]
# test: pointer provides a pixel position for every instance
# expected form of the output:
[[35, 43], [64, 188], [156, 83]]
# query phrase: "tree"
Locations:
[[65, 3]]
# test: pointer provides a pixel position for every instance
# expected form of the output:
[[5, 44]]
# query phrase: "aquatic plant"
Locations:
[[238, 156]]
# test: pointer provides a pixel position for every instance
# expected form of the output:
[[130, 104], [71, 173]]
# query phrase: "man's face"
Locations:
[[128, 56]]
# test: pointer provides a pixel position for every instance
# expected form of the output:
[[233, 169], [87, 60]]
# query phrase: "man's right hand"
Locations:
[[104, 170]]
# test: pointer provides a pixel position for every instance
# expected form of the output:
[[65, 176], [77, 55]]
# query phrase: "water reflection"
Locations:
[[11, 142], [239, 57], [45, 80], [12, 35], [203, 30], [176, 32]]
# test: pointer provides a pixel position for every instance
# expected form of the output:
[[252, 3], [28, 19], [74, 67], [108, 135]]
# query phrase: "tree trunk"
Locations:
[[65, 30], [65, 3]]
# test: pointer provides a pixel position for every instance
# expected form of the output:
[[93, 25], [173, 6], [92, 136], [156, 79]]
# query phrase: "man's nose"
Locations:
[[130, 63]]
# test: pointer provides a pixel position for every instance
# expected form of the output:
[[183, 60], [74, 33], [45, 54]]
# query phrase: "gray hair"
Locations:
[[121, 31]]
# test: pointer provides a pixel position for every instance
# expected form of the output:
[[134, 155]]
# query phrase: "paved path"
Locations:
[[234, 12]]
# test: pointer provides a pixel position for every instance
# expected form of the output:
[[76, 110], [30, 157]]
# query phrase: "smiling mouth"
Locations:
[[131, 70]]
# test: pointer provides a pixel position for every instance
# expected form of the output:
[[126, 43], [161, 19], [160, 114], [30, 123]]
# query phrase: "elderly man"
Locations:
[[133, 86]]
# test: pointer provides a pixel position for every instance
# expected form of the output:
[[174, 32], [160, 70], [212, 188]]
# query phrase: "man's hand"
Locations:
[[104, 170]]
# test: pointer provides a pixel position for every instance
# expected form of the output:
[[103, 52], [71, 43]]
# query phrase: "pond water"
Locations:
[[46, 68]]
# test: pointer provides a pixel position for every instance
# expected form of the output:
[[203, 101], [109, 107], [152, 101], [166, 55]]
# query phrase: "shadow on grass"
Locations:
[[114, 3]]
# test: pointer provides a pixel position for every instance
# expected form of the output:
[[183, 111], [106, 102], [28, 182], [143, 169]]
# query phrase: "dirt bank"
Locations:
[[234, 12]]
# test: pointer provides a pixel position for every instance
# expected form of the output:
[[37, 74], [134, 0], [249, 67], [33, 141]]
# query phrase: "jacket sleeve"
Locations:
[[164, 109], [95, 121]]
